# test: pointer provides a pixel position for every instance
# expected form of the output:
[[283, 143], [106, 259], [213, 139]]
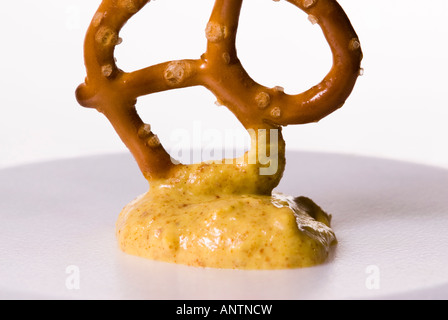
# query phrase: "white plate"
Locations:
[[57, 234]]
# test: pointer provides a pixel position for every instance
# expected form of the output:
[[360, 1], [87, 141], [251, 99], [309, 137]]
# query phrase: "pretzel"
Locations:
[[114, 92]]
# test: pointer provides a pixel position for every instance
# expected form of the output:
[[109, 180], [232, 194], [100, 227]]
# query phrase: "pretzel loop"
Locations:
[[114, 92]]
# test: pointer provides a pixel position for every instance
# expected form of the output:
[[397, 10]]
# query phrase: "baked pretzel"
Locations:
[[114, 92]]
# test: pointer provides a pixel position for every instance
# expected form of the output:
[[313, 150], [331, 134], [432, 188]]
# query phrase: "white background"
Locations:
[[398, 110]]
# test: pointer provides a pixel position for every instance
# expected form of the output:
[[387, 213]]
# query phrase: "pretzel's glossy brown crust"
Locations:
[[114, 92]]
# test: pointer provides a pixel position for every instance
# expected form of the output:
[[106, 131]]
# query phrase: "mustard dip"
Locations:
[[222, 215]]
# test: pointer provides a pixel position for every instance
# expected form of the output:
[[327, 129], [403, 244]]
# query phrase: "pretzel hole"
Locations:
[[290, 52], [150, 40], [187, 136]]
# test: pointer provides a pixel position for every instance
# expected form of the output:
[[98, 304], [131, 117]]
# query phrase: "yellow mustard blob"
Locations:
[[225, 215]]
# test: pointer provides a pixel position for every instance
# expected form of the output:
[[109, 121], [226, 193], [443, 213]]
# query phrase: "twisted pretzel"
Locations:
[[114, 92]]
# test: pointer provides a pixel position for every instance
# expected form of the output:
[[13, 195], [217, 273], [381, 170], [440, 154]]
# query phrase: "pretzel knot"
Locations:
[[114, 92]]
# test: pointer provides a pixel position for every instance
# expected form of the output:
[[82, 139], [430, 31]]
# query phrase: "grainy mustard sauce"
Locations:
[[225, 216]]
